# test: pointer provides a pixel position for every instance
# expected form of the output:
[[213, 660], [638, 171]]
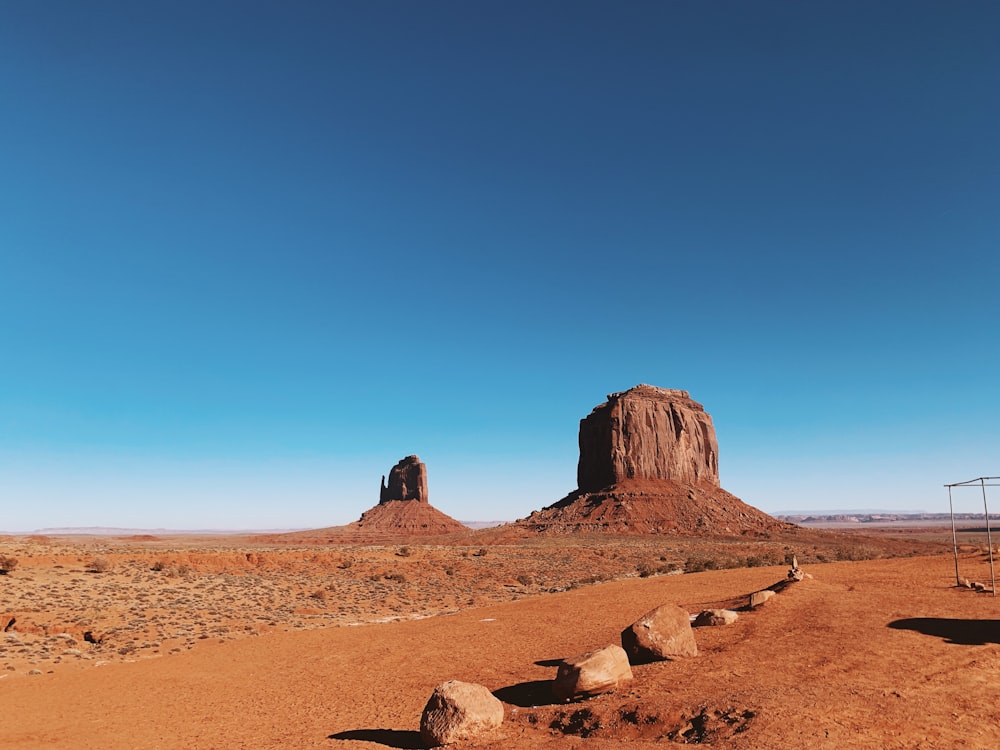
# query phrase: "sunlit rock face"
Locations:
[[407, 481], [647, 433], [649, 464]]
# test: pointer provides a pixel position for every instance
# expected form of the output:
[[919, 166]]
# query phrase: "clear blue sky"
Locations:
[[251, 254]]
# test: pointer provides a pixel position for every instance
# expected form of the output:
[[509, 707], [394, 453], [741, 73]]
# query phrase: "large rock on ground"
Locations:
[[760, 598], [407, 481], [663, 633], [715, 617], [459, 711], [591, 674], [647, 433]]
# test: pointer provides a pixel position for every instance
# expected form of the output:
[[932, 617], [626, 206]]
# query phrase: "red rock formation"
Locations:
[[407, 481], [402, 514], [647, 433], [649, 464]]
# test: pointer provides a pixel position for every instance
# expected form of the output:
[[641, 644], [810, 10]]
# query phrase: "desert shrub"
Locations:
[[7, 564], [858, 552], [698, 564], [481, 552], [346, 563], [159, 565], [404, 552], [645, 569], [449, 571], [526, 580], [99, 565], [762, 560], [319, 594], [397, 577]]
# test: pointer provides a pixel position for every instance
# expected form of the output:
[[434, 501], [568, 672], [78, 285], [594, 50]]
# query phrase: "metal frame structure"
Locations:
[[983, 483]]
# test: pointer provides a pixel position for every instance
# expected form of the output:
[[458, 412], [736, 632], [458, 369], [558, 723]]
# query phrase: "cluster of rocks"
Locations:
[[975, 586], [464, 711]]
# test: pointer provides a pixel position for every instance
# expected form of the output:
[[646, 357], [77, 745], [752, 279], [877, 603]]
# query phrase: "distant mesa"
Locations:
[[403, 506], [403, 513], [649, 464]]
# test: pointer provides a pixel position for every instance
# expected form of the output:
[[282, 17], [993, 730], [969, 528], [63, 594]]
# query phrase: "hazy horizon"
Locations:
[[251, 256]]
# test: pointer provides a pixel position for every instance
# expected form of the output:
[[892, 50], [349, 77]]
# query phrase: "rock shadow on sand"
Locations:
[[527, 694], [958, 631], [398, 738]]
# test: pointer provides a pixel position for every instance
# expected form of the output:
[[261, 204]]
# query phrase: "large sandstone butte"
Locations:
[[647, 433], [407, 481], [649, 464]]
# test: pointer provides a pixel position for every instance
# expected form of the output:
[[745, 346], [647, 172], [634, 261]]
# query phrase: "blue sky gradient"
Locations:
[[251, 254]]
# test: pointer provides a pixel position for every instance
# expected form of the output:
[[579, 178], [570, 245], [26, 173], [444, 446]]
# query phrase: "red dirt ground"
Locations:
[[879, 654]]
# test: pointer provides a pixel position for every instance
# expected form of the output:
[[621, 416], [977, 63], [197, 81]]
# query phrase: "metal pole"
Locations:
[[989, 538], [954, 536]]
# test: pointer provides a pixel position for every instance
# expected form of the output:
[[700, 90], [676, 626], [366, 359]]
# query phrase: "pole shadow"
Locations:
[[397, 738], [960, 632]]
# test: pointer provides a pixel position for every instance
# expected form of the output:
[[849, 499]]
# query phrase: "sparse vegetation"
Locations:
[[7, 564], [99, 565]]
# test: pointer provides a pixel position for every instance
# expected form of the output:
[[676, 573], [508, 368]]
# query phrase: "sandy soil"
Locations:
[[881, 653]]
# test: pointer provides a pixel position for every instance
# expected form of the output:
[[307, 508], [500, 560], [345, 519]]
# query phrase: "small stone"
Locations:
[[715, 617], [662, 633], [592, 673], [759, 598], [459, 711]]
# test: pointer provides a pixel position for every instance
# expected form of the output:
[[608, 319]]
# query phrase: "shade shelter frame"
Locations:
[[982, 483]]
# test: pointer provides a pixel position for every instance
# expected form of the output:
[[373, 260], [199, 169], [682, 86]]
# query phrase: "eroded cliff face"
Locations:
[[647, 433], [407, 481], [649, 464]]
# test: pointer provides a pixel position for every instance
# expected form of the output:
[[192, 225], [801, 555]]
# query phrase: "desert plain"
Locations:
[[241, 642]]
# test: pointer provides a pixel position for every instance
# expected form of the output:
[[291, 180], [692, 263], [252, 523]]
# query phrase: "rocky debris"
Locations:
[[715, 617], [795, 573], [760, 598], [407, 481], [459, 711], [662, 633], [405, 518], [647, 433], [591, 674], [649, 465]]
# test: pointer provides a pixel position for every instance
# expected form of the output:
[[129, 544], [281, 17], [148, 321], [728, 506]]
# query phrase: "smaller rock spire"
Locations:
[[407, 481]]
